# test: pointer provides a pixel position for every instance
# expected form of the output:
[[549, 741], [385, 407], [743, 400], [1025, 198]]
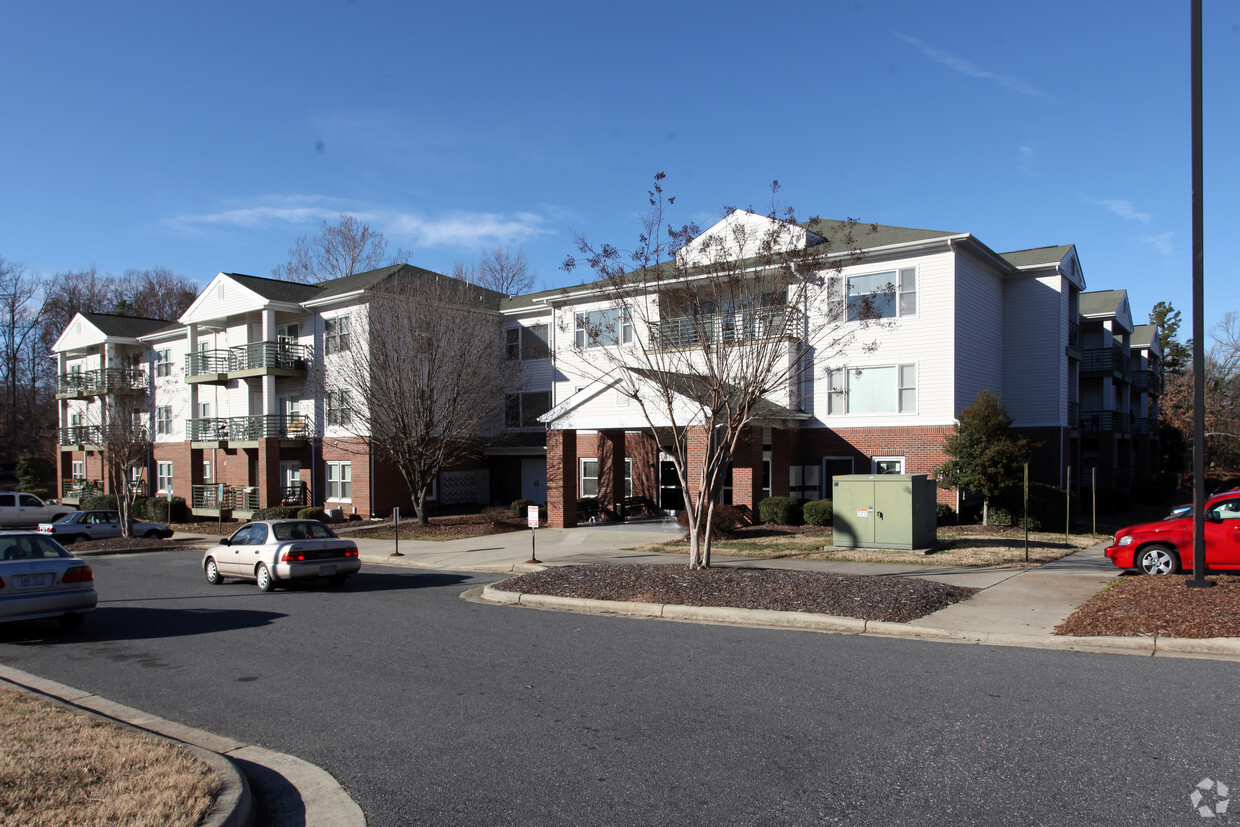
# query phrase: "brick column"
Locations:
[[268, 481], [747, 470], [611, 469], [781, 460], [699, 442], [561, 479]]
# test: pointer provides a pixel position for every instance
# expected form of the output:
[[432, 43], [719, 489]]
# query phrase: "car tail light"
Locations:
[[350, 552], [78, 574], [293, 557]]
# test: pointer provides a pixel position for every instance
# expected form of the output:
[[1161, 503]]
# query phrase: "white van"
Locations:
[[27, 510]]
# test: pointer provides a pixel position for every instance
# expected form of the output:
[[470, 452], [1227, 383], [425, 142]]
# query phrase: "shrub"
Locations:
[[998, 515], [944, 514], [519, 507], [312, 514], [159, 510], [587, 507], [98, 502], [818, 512], [726, 519], [278, 512], [781, 511]]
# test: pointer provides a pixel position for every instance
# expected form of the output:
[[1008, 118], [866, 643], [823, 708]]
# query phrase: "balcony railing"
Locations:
[[254, 356], [1074, 414], [1141, 425], [1111, 360], [1093, 422], [726, 328], [105, 380], [74, 491], [228, 497], [249, 428], [297, 494], [1074, 335], [81, 435], [1146, 380]]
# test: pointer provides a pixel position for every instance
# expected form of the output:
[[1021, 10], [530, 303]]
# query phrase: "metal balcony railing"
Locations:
[[1093, 422], [1146, 380], [256, 355], [249, 428], [77, 490], [1105, 360], [81, 435], [1074, 335], [229, 497], [105, 380], [726, 328], [291, 495], [205, 362], [1074, 414]]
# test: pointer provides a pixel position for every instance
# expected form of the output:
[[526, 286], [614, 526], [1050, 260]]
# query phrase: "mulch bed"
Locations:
[[1163, 606], [867, 598]]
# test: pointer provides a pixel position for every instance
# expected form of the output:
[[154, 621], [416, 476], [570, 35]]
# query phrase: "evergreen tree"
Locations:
[[984, 454]]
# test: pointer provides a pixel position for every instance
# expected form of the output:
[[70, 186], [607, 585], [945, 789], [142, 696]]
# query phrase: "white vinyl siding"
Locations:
[[1035, 366], [978, 322]]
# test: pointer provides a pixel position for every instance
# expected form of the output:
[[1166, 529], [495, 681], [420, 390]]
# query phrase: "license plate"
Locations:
[[33, 581], [326, 571]]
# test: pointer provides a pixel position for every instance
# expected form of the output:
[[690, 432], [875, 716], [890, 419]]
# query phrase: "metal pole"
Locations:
[[1067, 506], [1026, 520], [1198, 579], [396, 526]]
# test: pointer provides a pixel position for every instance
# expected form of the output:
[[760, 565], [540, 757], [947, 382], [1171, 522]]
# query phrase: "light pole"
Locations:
[[1028, 457]]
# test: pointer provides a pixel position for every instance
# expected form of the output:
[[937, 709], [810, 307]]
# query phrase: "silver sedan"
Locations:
[[38, 578], [81, 526], [272, 552]]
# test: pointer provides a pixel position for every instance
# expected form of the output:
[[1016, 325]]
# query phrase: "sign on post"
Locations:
[[532, 519], [532, 515]]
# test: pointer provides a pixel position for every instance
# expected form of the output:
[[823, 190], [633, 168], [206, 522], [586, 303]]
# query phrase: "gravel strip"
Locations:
[[845, 595]]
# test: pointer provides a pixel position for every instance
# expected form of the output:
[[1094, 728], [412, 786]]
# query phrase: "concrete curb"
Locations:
[[1212, 648], [325, 801]]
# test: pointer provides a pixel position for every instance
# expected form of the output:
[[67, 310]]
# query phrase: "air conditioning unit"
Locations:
[[336, 515]]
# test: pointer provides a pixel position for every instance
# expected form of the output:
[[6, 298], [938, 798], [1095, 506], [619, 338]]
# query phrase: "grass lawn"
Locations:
[[59, 765], [988, 546]]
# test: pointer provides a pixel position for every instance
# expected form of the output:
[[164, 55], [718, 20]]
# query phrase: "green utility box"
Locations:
[[884, 511]]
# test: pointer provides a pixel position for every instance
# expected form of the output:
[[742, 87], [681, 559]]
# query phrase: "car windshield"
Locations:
[[72, 518], [302, 530]]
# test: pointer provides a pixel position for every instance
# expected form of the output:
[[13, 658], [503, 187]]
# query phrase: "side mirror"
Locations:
[[1213, 517], [224, 541]]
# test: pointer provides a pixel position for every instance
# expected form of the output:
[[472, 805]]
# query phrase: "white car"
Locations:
[[272, 552], [38, 578]]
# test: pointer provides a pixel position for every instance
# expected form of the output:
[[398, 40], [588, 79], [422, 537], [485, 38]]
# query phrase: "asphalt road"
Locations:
[[435, 710]]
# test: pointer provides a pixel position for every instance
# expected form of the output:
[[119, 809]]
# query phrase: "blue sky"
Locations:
[[207, 137]]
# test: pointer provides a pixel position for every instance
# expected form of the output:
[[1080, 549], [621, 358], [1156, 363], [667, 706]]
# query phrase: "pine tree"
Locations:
[[985, 456]]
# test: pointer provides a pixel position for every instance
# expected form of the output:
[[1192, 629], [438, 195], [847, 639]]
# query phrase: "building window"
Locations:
[[206, 470], [888, 465], [521, 410], [163, 363], [603, 327], [872, 390], [512, 343], [204, 410], [534, 344], [163, 420], [883, 295], [79, 470], [336, 334], [163, 477], [340, 481], [339, 409], [587, 485]]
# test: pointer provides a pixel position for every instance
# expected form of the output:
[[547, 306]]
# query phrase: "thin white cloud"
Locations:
[[1027, 161], [966, 68], [1162, 243], [1126, 210], [456, 229]]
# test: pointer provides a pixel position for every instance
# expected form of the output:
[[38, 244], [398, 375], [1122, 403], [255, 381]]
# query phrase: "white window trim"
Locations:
[[840, 397], [876, 460], [339, 481], [581, 476], [897, 280], [163, 476]]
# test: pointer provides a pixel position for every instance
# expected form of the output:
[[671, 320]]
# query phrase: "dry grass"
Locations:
[[958, 546], [61, 766]]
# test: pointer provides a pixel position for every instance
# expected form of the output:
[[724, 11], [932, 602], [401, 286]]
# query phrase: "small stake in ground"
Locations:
[[396, 525]]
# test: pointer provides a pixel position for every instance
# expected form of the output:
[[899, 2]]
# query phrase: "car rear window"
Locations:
[[30, 547], [306, 530]]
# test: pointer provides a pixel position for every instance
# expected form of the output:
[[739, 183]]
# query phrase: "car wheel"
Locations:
[[80, 538], [337, 579], [213, 572], [71, 621], [1158, 560], [265, 581], [153, 534]]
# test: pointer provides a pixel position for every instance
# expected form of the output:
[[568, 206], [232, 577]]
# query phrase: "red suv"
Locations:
[[1162, 547]]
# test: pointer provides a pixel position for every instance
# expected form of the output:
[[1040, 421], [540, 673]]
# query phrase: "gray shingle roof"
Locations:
[[397, 272], [125, 327], [276, 289], [1143, 335], [1038, 255], [1101, 302], [867, 235]]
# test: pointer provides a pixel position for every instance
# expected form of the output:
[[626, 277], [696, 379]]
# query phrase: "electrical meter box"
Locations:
[[884, 511]]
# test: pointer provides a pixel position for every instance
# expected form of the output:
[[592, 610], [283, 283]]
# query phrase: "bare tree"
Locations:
[[157, 293], [498, 269], [1222, 414], [122, 426], [710, 332], [20, 319], [423, 377], [341, 249]]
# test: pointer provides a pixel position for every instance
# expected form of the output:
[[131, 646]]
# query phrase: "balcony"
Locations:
[[1100, 361], [213, 431], [779, 322], [216, 498], [1146, 380], [1074, 339], [78, 436], [253, 359], [1095, 422], [74, 491], [1074, 414], [80, 385]]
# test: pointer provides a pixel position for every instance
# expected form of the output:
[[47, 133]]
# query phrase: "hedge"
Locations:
[[818, 512], [781, 511]]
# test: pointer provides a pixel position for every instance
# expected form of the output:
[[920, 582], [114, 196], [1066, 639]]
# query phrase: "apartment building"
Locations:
[[239, 425]]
